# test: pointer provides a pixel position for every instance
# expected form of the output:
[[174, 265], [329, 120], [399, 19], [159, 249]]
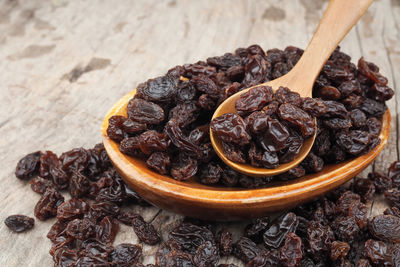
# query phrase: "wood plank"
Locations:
[[63, 64]]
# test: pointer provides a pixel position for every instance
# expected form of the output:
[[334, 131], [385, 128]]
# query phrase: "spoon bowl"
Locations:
[[196, 200], [228, 106]]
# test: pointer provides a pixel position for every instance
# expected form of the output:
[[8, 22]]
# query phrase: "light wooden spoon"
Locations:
[[339, 18]]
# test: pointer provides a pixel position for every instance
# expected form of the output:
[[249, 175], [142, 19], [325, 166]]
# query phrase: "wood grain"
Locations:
[[64, 63]]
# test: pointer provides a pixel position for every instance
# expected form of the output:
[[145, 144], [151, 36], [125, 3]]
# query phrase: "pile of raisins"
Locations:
[[269, 128], [334, 230], [168, 120]]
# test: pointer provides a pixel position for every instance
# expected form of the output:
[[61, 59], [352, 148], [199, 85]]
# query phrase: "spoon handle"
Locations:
[[338, 19]]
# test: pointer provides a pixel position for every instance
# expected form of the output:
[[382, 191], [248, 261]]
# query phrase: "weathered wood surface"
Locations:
[[64, 63]]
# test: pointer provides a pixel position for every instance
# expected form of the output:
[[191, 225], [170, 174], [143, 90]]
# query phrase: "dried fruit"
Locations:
[[19, 223], [145, 231]]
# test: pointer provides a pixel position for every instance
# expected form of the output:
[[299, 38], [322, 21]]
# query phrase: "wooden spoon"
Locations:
[[339, 18]]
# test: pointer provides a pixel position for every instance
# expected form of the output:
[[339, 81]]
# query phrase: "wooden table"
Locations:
[[64, 63]]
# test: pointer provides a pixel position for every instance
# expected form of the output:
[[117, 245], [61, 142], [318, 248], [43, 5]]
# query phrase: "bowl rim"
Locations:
[[141, 176]]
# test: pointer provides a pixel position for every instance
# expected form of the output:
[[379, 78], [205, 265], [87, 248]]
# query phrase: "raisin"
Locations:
[[210, 173], [107, 230], [339, 250], [291, 253], [381, 182], [375, 251], [183, 167], [233, 153], [314, 106], [152, 141], [276, 233], [231, 128], [144, 111], [320, 238], [184, 113], [19, 223], [28, 166], [181, 141], [47, 159], [206, 255], [256, 228], [79, 185], [159, 161], [145, 231], [358, 118], [298, 118], [255, 70], [245, 249], [130, 146], [385, 228], [39, 184], [132, 127], [224, 242], [65, 257], [186, 91], [80, 229], [393, 196], [329, 93], [189, 236], [114, 129], [275, 137], [373, 108], [265, 258], [160, 89], [394, 173], [254, 99], [48, 204], [345, 227], [72, 209], [125, 254], [285, 95]]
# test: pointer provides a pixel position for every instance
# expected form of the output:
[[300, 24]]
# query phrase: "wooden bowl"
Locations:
[[223, 204]]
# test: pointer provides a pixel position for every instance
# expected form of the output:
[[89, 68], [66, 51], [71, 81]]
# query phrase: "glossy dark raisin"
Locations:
[[160, 89], [224, 242], [19, 223], [291, 252], [28, 166], [114, 130], [48, 204], [145, 231], [144, 111], [381, 182], [159, 161], [72, 209], [206, 255], [39, 184], [125, 254], [385, 228], [231, 128], [276, 233], [107, 230], [189, 236], [394, 173], [245, 249], [254, 99], [80, 229], [298, 118]]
